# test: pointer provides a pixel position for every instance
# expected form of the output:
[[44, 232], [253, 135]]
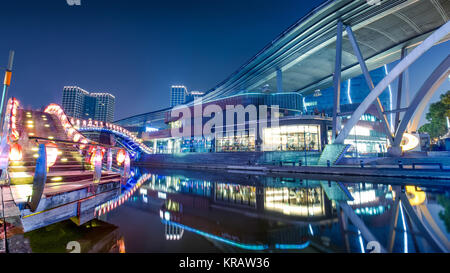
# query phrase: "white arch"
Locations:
[[422, 98], [434, 38]]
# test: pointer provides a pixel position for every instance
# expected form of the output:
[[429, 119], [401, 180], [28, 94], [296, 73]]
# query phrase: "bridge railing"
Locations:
[[93, 157]]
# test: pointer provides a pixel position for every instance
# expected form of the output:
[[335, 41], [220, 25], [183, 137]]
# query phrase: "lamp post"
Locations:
[[6, 83]]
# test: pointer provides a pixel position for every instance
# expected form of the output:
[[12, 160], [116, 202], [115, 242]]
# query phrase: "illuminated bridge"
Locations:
[[52, 172]]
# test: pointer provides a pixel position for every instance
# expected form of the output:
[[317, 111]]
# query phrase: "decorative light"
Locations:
[[120, 156], [409, 142], [52, 153], [15, 152]]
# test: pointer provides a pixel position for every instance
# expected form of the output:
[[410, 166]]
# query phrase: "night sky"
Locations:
[[137, 49]]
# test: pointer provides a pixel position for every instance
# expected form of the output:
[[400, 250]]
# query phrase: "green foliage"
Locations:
[[436, 116], [445, 214]]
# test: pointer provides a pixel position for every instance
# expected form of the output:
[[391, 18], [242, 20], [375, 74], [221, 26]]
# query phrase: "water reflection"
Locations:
[[240, 212]]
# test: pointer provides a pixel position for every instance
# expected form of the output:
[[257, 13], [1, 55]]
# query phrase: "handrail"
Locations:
[[75, 143]]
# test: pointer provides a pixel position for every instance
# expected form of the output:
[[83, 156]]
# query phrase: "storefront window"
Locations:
[[236, 141], [292, 138]]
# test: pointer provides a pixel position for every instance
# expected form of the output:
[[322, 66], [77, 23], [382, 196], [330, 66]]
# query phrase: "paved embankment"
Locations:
[[10, 223]]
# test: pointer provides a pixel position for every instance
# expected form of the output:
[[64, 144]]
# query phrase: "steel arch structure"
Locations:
[[430, 86]]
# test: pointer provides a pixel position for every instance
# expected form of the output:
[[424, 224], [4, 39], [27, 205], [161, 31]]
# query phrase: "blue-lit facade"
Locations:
[[304, 123], [368, 137]]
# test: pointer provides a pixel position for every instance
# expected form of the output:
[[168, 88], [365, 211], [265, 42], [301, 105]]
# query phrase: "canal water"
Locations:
[[191, 211]]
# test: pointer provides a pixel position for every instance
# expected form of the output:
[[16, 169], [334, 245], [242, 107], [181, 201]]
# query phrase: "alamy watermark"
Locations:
[[222, 120]]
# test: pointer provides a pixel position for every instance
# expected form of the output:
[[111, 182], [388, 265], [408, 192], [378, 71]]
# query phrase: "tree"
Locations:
[[436, 116]]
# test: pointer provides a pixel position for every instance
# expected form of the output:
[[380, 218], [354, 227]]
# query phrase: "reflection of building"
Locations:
[[79, 103], [260, 212], [307, 201]]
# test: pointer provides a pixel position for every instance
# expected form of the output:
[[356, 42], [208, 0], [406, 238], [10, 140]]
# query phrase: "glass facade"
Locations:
[[79, 103], [177, 95], [236, 141], [292, 138]]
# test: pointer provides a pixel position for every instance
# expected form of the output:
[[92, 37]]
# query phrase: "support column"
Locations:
[[337, 80], [279, 80], [369, 81], [399, 94]]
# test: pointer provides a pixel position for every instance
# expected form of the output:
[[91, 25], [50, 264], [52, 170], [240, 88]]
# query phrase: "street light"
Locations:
[[6, 83]]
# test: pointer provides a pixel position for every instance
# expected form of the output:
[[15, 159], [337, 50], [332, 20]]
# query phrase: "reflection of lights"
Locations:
[[405, 234], [15, 152], [292, 246], [419, 196], [311, 230], [56, 179], [362, 197], [409, 142], [361, 242], [167, 215], [370, 210], [223, 240]]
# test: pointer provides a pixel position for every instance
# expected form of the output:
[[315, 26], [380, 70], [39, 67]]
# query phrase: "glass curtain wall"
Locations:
[[292, 138]]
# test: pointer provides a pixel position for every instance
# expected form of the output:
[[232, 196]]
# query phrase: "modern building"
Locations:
[[79, 103], [104, 106], [304, 123], [193, 95], [73, 101], [301, 61], [178, 95]]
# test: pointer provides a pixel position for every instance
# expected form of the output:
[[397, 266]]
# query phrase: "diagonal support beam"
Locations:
[[437, 77], [429, 42], [337, 80], [369, 81], [399, 93]]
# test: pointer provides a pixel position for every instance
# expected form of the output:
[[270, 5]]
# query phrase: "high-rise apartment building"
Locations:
[[73, 101], [79, 103], [178, 95], [104, 107]]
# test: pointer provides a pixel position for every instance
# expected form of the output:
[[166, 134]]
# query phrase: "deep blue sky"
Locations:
[[137, 49]]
